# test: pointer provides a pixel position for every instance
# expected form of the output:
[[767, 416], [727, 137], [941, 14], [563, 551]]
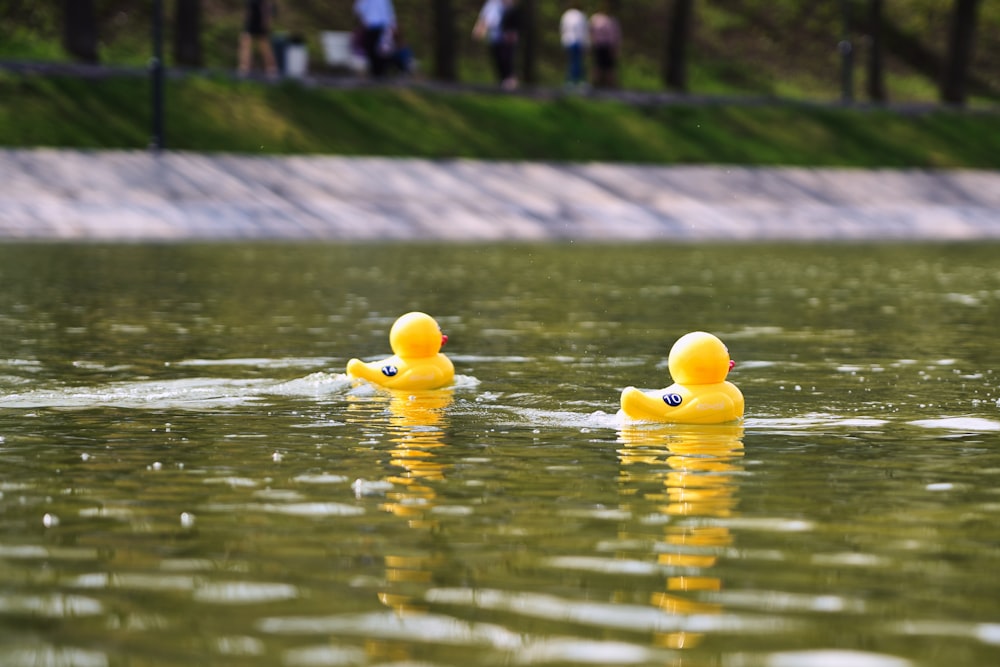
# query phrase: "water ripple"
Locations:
[[51, 656], [259, 362], [36, 552], [772, 601], [958, 424], [320, 478], [323, 656], [602, 513], [607, 565], [834, 658], [244, 592], [181, 393], [136, 581], [50, 606], [634, 618], [187, 393], [388, 625], [522, 649], [585, 652], [315, 509], [766, 524], [987, 633]]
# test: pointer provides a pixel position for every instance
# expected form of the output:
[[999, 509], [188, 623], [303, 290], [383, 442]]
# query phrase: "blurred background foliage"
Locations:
[[786, 48]]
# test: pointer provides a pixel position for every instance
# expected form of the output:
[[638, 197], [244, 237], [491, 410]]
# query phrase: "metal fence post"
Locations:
[[846, 49], [156, 71]]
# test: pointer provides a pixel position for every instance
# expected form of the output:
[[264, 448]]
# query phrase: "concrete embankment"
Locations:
[[139, 196]]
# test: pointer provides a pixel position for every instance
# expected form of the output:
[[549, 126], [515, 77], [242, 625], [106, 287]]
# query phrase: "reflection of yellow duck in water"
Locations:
[[414, 424], [699, 364], [703, 462], [416, 429], [416, 341]]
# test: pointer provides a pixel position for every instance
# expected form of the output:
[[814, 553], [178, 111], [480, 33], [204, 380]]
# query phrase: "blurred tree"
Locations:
[[187, 33], [80, 30], [675, 55], [445, 62], [959, 55], [529, 41], [876, 70]]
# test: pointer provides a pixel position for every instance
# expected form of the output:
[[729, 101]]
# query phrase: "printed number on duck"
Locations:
[[672, 399], [389, 371]]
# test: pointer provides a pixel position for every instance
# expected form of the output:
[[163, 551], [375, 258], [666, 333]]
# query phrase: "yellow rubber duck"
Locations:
[[416, 341], [699, 364]]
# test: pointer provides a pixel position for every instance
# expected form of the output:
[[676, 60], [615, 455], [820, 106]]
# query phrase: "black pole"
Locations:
[[846, 56], [156, 71]]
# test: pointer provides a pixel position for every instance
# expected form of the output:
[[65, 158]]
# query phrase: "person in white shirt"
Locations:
[[378, 20], [573, 32], [487, 29]]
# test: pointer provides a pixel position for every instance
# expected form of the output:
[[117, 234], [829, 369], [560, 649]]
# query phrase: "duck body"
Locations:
[[396, 372], [417, 362], [699, 363], [715, 403]]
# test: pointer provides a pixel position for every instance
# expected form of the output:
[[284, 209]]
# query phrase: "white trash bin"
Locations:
[[296, 60]]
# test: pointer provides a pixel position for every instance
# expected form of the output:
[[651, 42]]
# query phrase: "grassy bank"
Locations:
[[207, 114]]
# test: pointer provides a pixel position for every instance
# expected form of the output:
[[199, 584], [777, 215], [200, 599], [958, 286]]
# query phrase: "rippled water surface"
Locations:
[[187, 477]]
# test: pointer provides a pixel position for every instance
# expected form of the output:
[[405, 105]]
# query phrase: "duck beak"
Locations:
[[732, 364], [444, 339]]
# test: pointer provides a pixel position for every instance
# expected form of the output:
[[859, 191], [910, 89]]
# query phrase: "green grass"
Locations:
[[221, 115]]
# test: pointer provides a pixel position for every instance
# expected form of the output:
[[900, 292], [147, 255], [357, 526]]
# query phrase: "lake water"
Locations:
[[187, 478]]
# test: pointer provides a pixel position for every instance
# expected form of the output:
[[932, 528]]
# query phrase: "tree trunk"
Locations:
[[528, 47], [876, 69], [675, 54], [445, 68], [956, 66], [80, 30], [187, 33]]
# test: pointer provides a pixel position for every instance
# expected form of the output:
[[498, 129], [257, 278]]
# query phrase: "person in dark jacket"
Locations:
[[510, 33]]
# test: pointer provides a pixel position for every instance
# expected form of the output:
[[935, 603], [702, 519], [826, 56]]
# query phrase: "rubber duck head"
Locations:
[[699, 358], [416, 335]]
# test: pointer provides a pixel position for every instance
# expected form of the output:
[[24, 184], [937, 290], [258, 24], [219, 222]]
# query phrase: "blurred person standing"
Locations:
[[378, 22], [510, 35], [605, 44], [487, 29], [257, 28], [573, 34]]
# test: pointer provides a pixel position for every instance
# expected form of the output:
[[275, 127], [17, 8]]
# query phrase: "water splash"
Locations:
[[961, 424]]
